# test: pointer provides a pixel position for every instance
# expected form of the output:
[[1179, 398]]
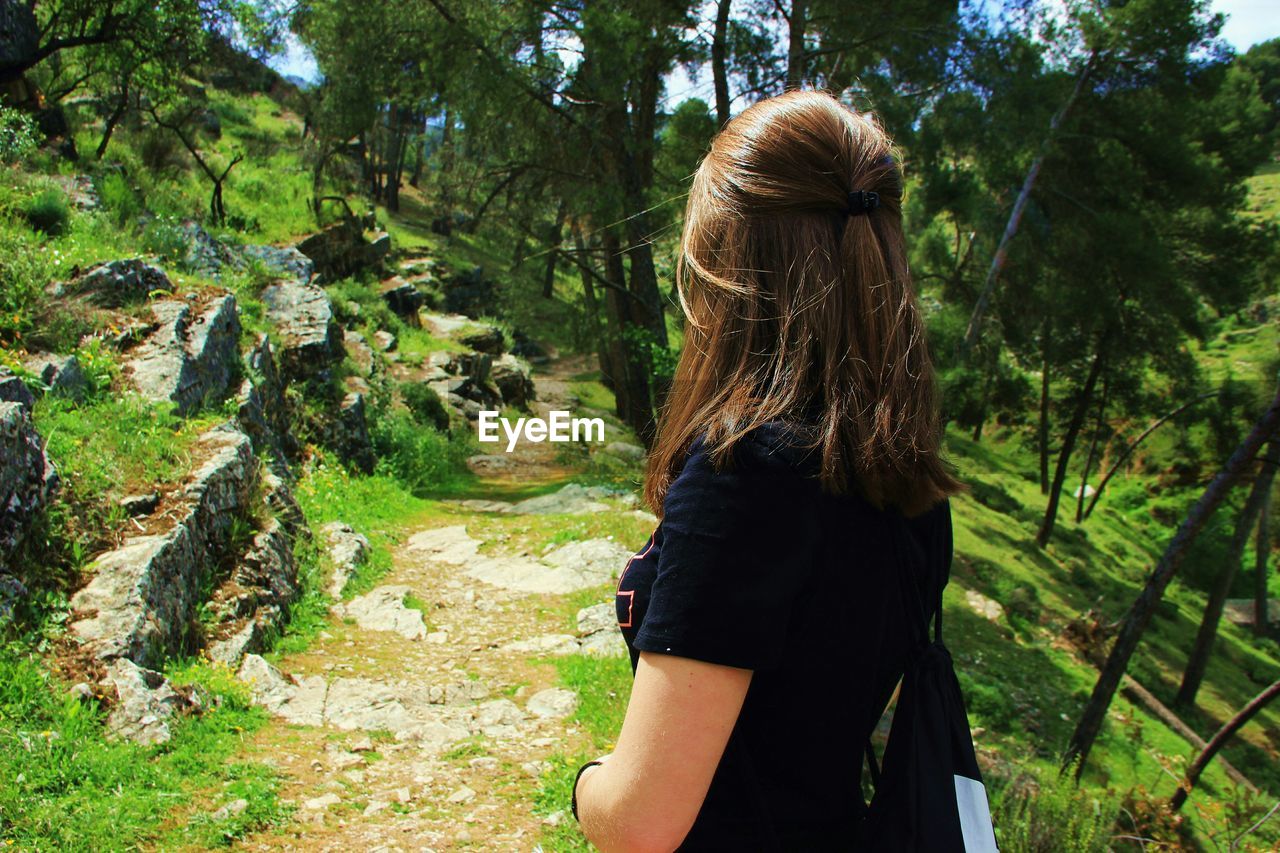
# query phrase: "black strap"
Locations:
[[912, 600]]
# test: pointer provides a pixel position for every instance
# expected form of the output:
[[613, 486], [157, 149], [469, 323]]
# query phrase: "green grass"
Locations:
[[67, 787]]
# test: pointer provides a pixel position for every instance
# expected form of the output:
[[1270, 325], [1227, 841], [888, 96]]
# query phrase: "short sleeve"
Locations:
[[738, 547]]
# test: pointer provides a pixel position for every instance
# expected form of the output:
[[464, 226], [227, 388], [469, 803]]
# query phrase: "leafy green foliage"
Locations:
[[18, 135], [425, 405], [48, 212], [68, 787]]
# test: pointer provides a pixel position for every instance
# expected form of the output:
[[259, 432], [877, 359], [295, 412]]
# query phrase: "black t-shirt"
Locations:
[[755, 567]]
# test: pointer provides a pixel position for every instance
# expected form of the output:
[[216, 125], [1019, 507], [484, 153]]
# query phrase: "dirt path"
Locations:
[[408, 732]]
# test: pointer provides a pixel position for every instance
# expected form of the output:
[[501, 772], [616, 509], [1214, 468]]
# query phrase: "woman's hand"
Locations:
[[647, 793]]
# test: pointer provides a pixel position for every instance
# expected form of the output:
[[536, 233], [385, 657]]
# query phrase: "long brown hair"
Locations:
[[800, 312]]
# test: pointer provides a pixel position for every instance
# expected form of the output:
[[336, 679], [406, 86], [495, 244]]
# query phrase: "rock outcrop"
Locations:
[[348, 551], [285, 260], [192, 357], [60, 374], [405, 300], [140, 601], [341, 250], [264, 413], [118, 283], [145, 703], [14, 390], [514, 382], [27, 477], [311, 338]]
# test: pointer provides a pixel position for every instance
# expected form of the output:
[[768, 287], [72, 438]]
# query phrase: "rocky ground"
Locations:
[[421, 718]]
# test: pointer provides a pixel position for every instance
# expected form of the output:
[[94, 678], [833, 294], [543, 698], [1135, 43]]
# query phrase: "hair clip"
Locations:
[[861, 201]]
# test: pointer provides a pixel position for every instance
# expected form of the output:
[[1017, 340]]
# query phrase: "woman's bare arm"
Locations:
[[647, 795]]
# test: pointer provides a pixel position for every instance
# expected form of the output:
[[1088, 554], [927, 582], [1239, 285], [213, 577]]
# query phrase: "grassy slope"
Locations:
[[1023, 685]]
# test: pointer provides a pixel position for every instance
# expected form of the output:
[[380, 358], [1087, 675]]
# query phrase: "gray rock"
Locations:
[[145, 703], [359, 351], [27, 477], [235, 808], [475, 367], [498, 712], [385, 340], [234, 647], [572, 499], [382, 609], [285, 260], [580, 565], [311, 338], [189, 360], [348, 434], [554, 703], [139, 602], [623, 450], [546, 644], [487, 339], [341, 250], [14, 390], [596, 618], [254, 602], [595, 561], [61, 374], [12, 592], [380, 246], [206, 254], [348, 551], [405, 300], [263, 412], [269, 687], [513, 381], [118, 283]]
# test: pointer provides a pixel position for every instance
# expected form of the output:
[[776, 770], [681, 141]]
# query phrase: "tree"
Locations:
[[1218, 741], [1140, 612], [1198, 660]]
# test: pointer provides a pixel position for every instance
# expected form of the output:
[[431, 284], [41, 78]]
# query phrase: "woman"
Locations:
[[763, 617]]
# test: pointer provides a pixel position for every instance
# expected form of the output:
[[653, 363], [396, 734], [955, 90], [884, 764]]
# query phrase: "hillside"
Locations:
[[278, 595]]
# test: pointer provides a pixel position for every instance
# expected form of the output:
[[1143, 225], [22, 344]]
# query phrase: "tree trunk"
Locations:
[[1068, 445], [1093, 451], [1128, 451], [112, 121], [1198, 661], [1015, 215], [1262, 547], [554, 235], [798, 22], [719, 61], [1140, 613], [1219, 740], [1042, 430], [602, 335]]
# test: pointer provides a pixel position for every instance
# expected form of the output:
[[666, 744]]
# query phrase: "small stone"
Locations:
[[404, 795], [363, 744], [554, 819], [553, 703], [374, 807], [231, 809], [438, 637], [462, 795], [322, 802], [484, 762]]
